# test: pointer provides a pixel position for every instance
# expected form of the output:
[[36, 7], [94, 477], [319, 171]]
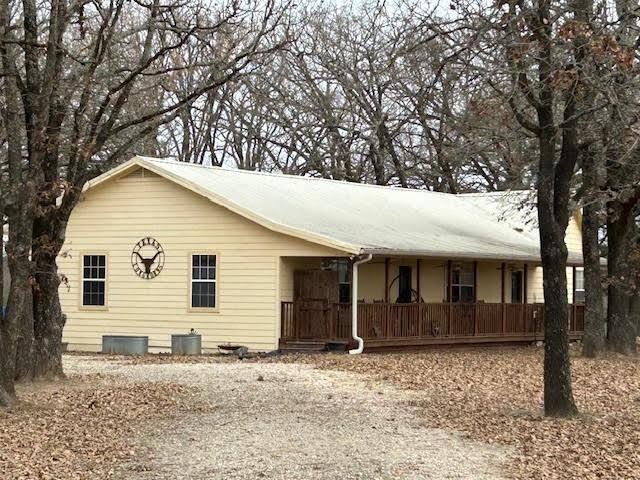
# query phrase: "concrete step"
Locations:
[[303, 346]]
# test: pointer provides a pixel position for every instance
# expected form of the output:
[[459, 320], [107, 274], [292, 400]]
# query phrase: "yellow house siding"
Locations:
[[371, 280], [536, 288], [114, 216], [573, 236], [371, 277], [488, 282], [433, 280]]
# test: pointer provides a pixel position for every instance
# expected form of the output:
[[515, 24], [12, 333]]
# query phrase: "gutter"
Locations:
[[354, 303], [573, 259]]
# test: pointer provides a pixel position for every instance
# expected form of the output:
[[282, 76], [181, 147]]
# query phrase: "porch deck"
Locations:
[[415, 324]]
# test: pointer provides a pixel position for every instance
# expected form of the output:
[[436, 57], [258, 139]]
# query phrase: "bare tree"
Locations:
[[77, 80], [364, 93], [592, 221], [543, 78], [623, 177]]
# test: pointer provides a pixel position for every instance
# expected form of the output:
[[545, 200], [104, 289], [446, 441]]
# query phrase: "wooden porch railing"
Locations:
[[388, 321]]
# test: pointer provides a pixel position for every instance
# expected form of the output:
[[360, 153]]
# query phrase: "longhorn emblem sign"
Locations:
[[147, 258]]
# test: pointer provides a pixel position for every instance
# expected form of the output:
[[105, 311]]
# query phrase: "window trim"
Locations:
[[190, 307], [81, 305], [349, 278], [472, 285], [576, 290]]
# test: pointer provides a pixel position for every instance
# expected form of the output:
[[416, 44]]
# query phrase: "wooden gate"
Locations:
[[314, 291]]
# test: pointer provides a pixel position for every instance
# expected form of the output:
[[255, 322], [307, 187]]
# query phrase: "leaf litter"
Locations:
[[496, 395], [82, 428]]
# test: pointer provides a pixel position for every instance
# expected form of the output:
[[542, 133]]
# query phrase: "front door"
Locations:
[[404, 284], [313, 293], [516, 286]]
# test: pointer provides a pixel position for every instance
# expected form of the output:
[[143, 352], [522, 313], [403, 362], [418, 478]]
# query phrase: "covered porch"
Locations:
[[417, 301]]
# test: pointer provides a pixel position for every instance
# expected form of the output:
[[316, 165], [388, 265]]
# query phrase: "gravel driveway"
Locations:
[[282, 421]]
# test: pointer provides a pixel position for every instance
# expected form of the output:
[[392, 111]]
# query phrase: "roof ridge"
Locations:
[[495, 193]]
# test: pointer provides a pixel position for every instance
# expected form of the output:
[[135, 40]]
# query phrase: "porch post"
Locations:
[[449, 281], [503, 271], [572, 313], [418, 280], [525, 292], [525, 283], [475, 297], [449, 293], [475, 281], [419, 303], [386, 280]]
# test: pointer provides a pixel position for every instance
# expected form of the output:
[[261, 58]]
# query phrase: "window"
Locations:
[[344, 280], [94, 275], [462, 283], [579, 296], [516, 286], [343, 267], [203, 281]]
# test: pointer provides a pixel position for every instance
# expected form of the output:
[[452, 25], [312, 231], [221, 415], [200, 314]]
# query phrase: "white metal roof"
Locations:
[[356, 218], [516, 208]]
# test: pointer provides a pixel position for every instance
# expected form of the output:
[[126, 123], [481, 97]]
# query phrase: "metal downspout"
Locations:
[[354, 304]]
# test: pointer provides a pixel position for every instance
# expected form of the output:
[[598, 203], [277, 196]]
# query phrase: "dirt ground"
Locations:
[[495, 395], [288, 421], [230, 420], [458, 414]]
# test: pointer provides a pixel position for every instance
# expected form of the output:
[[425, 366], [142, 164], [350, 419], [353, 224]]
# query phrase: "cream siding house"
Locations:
[[231, 243]]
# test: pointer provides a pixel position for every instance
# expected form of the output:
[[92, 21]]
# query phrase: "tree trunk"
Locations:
[[552, 219], [7, 389], [621, 334], [16, 328], [6, 400], [634, 310], [594, 319], [373, 155], [7, 363], [2, 279], [48, 238], [48, 320], [558, 395], [19, 316]]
